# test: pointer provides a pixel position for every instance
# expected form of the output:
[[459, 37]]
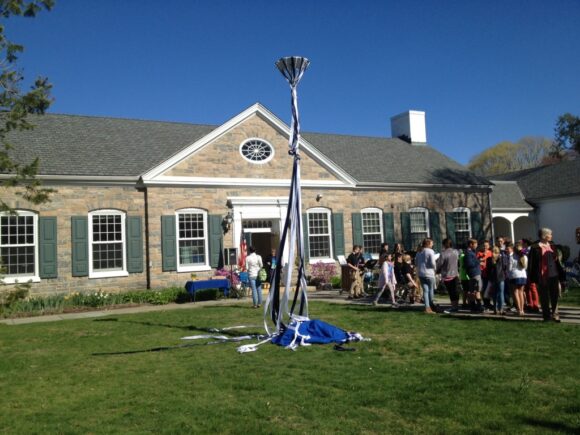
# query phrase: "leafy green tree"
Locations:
[[527, 152], [16, 105], [494, 160], [567, 133]]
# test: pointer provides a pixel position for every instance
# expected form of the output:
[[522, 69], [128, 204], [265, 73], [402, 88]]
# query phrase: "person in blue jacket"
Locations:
[[473, 270]]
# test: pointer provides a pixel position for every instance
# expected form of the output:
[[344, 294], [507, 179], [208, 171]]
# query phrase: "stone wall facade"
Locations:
[[221, 157], [71, 201], [213, 164]]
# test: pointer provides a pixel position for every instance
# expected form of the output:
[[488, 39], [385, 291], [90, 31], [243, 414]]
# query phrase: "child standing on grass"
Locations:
[[386, 278], [408, 273], [517, 273], [496, 275], [464, 278], [531, 291]]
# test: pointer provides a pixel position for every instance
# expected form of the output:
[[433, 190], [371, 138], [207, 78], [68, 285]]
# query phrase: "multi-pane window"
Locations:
[[419, 220], [461, 219], [192, 238], [18, 244], [257, 150], [107, 235], [319, 245], [372, 230]]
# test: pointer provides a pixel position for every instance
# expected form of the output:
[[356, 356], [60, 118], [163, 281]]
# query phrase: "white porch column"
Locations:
[[257, 208], [511, 218]]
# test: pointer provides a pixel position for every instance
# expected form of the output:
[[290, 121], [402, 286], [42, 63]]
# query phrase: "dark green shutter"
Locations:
[[168, 244], [80, 245], [305, 239], [389, 228], [450, 226], [338, 234], [47, 247], [215, 238], [357, 234], [477, 226], [406, 231], [435, 230], [134, 244]]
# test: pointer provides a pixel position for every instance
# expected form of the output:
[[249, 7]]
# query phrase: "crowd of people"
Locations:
[[515, 278]]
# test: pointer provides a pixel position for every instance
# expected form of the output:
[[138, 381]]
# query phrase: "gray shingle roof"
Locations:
[[507, 195], [561, 179], [93, 146], [391, 160], [85, 146]]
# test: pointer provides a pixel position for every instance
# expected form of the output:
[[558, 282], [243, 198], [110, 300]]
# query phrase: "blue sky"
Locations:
[[483, 70]]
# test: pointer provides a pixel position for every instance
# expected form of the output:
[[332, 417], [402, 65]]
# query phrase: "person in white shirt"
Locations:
[[253, 266], [518, 262], [425, 262]]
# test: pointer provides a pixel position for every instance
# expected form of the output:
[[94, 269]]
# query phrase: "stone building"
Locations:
[[143, 204]]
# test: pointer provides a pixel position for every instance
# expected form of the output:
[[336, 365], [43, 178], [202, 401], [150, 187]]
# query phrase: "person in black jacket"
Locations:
[[496, 275], [355, 262], [545, 269]]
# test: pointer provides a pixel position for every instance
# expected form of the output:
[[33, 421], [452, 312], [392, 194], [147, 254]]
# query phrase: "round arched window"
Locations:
[[257, 151]]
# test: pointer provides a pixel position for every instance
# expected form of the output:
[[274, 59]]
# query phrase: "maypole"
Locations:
[[293, 329], [292, 68]]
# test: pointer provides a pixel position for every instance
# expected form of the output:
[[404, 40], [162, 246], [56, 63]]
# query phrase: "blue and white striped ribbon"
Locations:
[[278, 310]]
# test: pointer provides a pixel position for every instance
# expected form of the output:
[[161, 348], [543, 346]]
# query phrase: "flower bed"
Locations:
[[76, 302]]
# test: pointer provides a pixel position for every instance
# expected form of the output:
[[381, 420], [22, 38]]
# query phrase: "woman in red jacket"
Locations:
[[546, 271]]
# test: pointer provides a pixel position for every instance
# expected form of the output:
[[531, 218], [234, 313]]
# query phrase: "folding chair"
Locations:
[[245, 281]]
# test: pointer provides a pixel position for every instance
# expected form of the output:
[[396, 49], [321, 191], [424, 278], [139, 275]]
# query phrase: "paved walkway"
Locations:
[[567, 314]]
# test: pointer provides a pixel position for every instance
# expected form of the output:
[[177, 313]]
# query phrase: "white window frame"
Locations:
[[14, 279], [108, 273], [330, 259], [381, 231], [468, 211], [261, 162], [424, 211], [197, 267]]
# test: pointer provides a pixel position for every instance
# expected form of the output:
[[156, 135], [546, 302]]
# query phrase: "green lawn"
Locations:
[[571, 297], [419, 374]]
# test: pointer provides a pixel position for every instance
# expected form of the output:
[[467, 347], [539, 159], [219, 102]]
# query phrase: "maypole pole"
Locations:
[[292, 68]]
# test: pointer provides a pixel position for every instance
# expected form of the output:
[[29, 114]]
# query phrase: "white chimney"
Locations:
[[411, 126]]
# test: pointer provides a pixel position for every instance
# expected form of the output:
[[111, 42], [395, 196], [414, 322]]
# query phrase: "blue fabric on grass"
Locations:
[[315, 331]]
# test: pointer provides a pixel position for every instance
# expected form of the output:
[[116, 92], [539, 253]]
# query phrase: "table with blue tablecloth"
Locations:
[[221, 284]]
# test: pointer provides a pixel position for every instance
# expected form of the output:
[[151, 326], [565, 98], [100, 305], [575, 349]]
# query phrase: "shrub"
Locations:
[[322, 273], [8, 297], [336, 282], [58, 303], [233, 277], [34, 305]]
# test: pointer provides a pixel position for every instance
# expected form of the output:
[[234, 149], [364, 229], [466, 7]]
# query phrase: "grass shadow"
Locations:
[[231, 307], [385, 308], [552, 425], [229, 332], [159, 349]]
